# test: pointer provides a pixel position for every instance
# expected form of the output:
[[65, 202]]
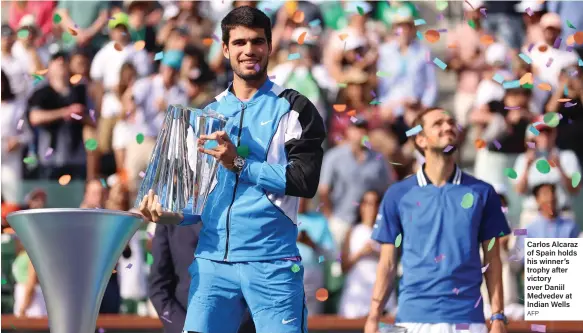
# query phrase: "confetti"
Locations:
[[118, 47], [551, 119], [139, 45], [298, 17], [293, 56], [491, 244], [525, 58], [530, 47], [302, 37], [526, 78], [578, 36], [243, 151], [339, 107], [441, 4], [216, 38], [486, 40], [75, 78], [549, 62], [100, 330], [271, 77], [129, 266], [57, 18], [419, 35], [19, 124], [569, 104], [398, 240], [510, 173], [103, 183], [448, 148], [456, 291], [543, 48], [544, 86], [383, 74], [538, 328], [543, 166], [23, 33], [342, 36], [570, 25], [49, 152], [91, 144], [149, 259], [320, 259], [142, 174], [295, 268], [64, 179], [256, 67], [531, 145], [462, 326], [76, 116], [140, 138], [528, 11], [419, 21], [439, 258], [66, 37], [439, 63], [432, 36], [511, 84], [322, 294], [557, 43], [467, 201], [498, 78], [159, 56], [533, 130], [485, 268], [414, 130], [472, 24], [575, 179], [479, 143], [519, 232], [360, 10], [483, 11], [30, 160], [314, 23], [342, 85], [497, 144]]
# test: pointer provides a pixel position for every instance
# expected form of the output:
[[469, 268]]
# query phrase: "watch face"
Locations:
[[239, 162]]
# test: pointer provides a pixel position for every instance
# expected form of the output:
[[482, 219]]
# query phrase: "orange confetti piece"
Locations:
[[298, 17], [64, 179], [351, 113], [75, 78], [9, 231], [432, 36], [479, 143], [302, 37], [117, 46], [526, 79], [207, 42], [563, 100], [42, 71], [339, 107], [139, 45], [123, 176], [342, 36], [570, 40], [543, 48], [452, 46], [544, 86], [486, 39], [578, 36], [322, 294], [552, 164], [114, 271], [72, 31]]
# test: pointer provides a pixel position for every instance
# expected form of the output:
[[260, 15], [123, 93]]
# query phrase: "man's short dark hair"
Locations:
[[537, 188], [248, 17]]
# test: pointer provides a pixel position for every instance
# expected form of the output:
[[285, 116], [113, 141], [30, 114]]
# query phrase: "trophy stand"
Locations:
[[74, 252]]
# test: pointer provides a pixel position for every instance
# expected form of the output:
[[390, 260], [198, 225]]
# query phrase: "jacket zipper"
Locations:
[[243, 107]]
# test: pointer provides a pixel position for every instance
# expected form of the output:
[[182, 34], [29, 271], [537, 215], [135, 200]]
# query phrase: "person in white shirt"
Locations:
[[18, 74], [105, 70], [360, 259], [563, 164], [16, 135], [26, 49]]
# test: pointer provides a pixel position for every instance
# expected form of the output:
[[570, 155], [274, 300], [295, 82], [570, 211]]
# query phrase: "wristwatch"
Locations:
[[239, 163], [499, 316]]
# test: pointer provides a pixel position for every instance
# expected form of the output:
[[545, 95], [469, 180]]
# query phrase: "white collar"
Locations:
[[422, 180]]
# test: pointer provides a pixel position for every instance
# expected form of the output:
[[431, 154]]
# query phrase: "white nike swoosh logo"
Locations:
[[265, 122], [283, 321]]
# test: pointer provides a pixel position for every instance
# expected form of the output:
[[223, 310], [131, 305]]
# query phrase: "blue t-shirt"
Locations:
[[441, 237]]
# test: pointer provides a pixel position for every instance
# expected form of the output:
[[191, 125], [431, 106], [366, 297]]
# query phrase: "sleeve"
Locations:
[[97, 70], [493, 223], [327, 170], [189, 218], [35, 101], [430, 92], [304, 135], [388, 224], [162, 279]]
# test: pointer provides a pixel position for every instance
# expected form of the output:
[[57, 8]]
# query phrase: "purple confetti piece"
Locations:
[[440, 17], [529, 11], [569, 104], [459, 127], [504, 210], [358, 57], [497, 144], [462, 326], [92, 114], [569, 48], [129, 266], [456, 291], [100, 330], [272, 77], [19, 125], [441, 30], [557, 43], [574, 73], [478, 302], [373, 94], [530, 47], [267, 9], [511, 107], [560, 116], [319, 206], [256, 67], [519, 232], [76, 116], [483, 11], [166, 319], [531, 145], [448, 148], [485, 268], [149, 235], [439, 258], [142, 174], [49, 152], [216, 38], [549, 62], [538, 328]]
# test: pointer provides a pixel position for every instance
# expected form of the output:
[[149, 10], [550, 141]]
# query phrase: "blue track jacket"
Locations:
[[251, 216]]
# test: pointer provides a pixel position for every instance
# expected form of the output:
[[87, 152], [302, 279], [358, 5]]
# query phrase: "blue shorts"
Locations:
[[220, 292]]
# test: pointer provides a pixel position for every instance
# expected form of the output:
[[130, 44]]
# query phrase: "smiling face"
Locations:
[[439, 131], [248, 52]]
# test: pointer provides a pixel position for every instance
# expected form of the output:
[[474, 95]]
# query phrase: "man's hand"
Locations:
[[225, 152], [497, 327], [83, 38], [152, 210], [75, 108], [371, 325], [555, 159]]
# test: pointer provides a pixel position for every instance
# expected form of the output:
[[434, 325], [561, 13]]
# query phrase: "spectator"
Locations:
[[139, 27], [489, 90], [36, 199], [502, 21], [349, 171], [197, 77], [15, 69], [531, 19], [360, 256], [564, 162], [188, 19], [42, 12], [28, 297], [53, 110], [151, 97], [15, 136], [86, 20], [568, 10], [26, 48], [316, 245], [94, 196]]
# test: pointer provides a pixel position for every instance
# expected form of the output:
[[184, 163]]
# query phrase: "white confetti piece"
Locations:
[[485, 268], [19, 125], [142, 174], [49, 152], [76, 116], [415, 130]]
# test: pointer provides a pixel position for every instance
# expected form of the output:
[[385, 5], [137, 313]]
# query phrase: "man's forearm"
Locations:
[[494, 279], [41, 117], [386, 273]]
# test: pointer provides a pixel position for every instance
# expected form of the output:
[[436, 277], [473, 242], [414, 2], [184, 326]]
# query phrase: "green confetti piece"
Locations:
[[510, 173], [472, 24], [374, 102], [576, 179], [91, 144], [57, 18], [29, 160], [23, 33], [103, 182], [149, 258], [491, 244], [4, 281], [243, 151], [67, 37], [570, 25], [295, 268], [383, 74], [543, 166], [342, 85], [501, 233], [441, 5], [398, 240], [467, 201], [360, 10], [140, 138], [527, 86], [551, 119]]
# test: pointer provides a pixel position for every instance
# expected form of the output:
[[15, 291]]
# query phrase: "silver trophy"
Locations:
[[389, 328], [178, 172]]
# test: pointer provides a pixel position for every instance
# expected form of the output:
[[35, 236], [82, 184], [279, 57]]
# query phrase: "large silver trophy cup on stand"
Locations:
[[178, 173]]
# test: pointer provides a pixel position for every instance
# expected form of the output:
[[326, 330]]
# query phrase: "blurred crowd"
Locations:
[[85, 85]]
